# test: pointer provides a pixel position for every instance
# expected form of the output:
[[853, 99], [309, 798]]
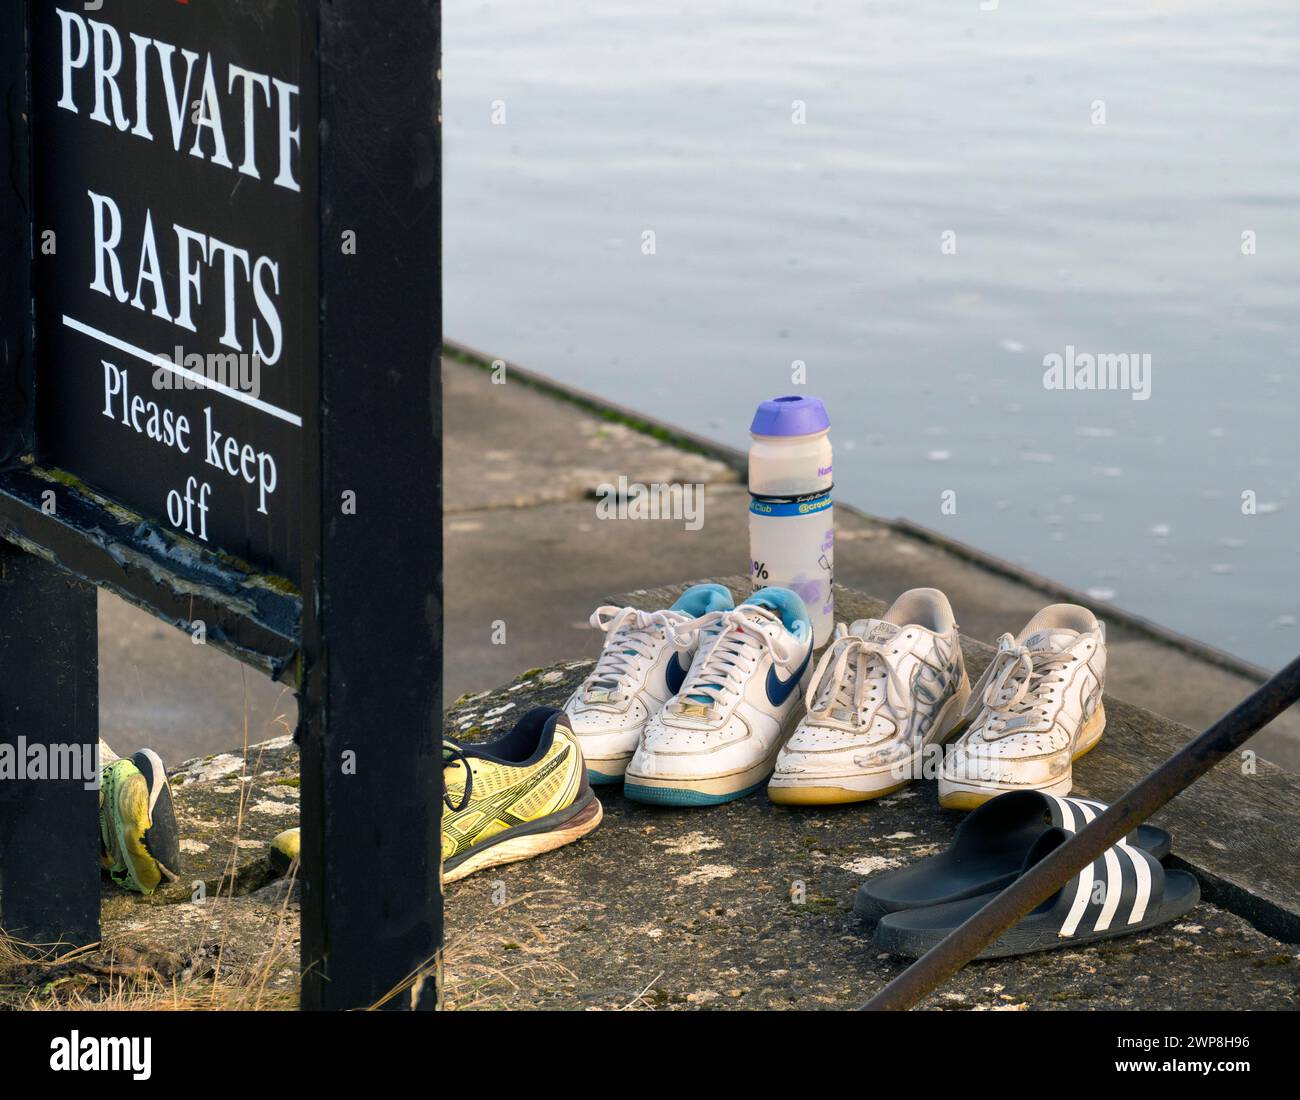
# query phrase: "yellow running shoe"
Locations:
[[139, 845], [285, 850], [507, 800], [516, 797]]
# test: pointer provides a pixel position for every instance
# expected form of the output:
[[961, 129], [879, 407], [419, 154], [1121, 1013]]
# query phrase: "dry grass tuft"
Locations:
[[128, 977], [471, 981], [122, 977]]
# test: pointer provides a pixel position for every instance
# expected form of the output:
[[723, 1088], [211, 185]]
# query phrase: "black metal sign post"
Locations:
[[49, 865], [48, 656], [372, 704], [220, 399]]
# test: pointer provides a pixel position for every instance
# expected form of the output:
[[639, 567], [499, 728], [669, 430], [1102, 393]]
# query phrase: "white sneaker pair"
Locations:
[[889, 692], [689, 706]]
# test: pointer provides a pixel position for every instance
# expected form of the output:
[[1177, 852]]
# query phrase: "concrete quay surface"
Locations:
[[527, 561]]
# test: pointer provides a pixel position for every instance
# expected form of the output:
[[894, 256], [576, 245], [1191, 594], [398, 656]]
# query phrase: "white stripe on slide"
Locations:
[[1089, 802], [1099, 807], [1143, 883], [1114, 890], [1080, 904], [1067, 814], [1086, 809]]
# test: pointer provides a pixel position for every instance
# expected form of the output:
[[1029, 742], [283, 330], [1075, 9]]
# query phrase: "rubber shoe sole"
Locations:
[[828, 793], [707, 790], [683, 796], [604, 771], [528, 840], [969, 796]]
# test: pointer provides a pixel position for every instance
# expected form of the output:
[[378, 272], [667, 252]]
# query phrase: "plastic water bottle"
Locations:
[[791, 520]]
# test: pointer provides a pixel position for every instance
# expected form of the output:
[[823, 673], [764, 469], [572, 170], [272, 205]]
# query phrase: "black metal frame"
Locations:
[[17, 430], [364, 649], [251, 615], [372, 629]]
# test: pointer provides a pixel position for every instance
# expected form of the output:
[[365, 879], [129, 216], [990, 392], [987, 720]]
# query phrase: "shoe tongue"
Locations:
[[1054, 638], [760, 617], [874, 630], [871, 630]]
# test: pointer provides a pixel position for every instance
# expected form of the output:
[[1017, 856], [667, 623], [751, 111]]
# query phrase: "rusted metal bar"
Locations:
[[1124, 815]]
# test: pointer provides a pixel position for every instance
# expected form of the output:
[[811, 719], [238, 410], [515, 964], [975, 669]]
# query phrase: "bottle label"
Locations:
[[789, 506]]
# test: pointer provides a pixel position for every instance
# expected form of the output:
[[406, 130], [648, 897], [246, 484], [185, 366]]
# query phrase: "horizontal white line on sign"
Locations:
[[167, 364]]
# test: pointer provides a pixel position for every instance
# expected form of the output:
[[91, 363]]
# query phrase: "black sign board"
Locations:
[[214, 404], [176, 212]]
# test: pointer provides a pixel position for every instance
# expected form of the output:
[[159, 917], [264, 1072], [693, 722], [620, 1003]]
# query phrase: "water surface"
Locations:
[[821, 242]]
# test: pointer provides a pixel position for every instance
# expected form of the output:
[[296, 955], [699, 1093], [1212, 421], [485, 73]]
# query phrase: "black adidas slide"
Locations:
[[988, 852], [1123, 890]]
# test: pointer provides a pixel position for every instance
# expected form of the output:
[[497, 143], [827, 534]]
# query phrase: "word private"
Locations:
[[119, 85]]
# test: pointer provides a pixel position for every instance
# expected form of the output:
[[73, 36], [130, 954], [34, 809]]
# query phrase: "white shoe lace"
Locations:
[[735, 646], [632, 634], [1016, 678], [842, 686]]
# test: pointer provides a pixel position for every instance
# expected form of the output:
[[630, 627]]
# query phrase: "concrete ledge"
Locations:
[[661, 430], [528, 455], [746, 905]]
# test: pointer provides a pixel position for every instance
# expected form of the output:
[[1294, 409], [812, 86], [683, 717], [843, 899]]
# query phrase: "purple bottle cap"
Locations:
[[790, 415]]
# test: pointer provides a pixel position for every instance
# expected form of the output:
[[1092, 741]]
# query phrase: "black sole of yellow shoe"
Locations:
[[528, 840]]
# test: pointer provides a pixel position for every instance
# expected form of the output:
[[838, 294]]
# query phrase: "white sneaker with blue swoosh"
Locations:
[[718, 738], [639, 669], [885, 691]]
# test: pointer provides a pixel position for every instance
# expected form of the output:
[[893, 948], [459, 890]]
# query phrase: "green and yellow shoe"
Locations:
[[139, 844], [285, 851], [510, 799], [516, 797]]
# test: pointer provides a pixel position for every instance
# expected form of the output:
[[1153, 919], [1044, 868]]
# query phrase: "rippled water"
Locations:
[[822, 242]]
